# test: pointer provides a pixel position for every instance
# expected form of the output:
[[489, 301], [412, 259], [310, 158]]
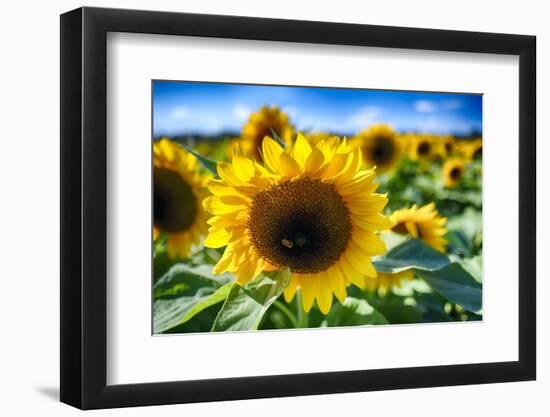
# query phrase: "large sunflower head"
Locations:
[[453, 172], [261, 124], [311, 209], [421, 148], [178, 193], [379, 146], [423, 223]]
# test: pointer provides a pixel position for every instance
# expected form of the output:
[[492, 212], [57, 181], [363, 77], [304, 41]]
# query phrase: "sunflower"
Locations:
[[424, 223], [421, 148], [453, 172], [379, 145], [446, 146], [311, 209], [474, 149], [260, 124], [385, 281], [178, 193]]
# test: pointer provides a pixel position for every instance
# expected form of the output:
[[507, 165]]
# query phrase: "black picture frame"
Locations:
[[84, 207]]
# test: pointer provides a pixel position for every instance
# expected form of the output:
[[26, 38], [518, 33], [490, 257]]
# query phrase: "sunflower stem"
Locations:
[[287, 313]]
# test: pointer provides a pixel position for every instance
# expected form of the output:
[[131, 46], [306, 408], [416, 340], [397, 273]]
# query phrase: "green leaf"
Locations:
[[459, 243], [444, 274], [469, 223], [209, 164], [169, 312], [411, 254], [456, 285], [474, 267], [161, 263], [188, 279], [246, 305], [179, 292], [217, 297], [354, 312]]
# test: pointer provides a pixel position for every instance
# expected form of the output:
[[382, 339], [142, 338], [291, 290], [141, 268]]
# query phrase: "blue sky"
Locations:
[[186, 108]]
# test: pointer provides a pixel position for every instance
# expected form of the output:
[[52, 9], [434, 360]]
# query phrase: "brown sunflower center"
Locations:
[[478, 153], [302, 224], [423, 148], [381, 151], [174, 203], [455, 173], [400, 228]]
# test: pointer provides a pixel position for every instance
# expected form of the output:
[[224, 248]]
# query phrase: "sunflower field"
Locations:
[[280, 229]]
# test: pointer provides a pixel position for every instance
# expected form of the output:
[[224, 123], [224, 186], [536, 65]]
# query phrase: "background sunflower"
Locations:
[[422, 223], [445, 146], [453, 172], [261, 124], [379, 146], [422, 148], [179, 190]]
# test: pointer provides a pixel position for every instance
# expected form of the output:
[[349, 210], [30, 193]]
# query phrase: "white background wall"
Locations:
[[29, 225]]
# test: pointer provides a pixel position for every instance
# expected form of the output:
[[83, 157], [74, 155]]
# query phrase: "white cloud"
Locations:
[[291, 111], [435, 125], [241, 112], [363, 118], [451, 104], [428, 106], [359, 120], [179, 113], [425, 106]]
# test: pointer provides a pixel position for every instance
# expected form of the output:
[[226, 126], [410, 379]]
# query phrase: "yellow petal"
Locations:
[[337, 282], [219, 188], [359, 259], [290, 290], [214, 205], [412, 229], [324, 293], [335, 165], [308, 289], [374, 223], [361, 183], [217, 238], [289, 167], [167, 149], [353, 164], [367, 242], [301, 150], [271, 153], [226, 172], [350, 273], [314, 161], [224, 261], [243, 168], [250, 269], [235, 200]]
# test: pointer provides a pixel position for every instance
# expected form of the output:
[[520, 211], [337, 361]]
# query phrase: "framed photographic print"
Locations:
[[256, 208]]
